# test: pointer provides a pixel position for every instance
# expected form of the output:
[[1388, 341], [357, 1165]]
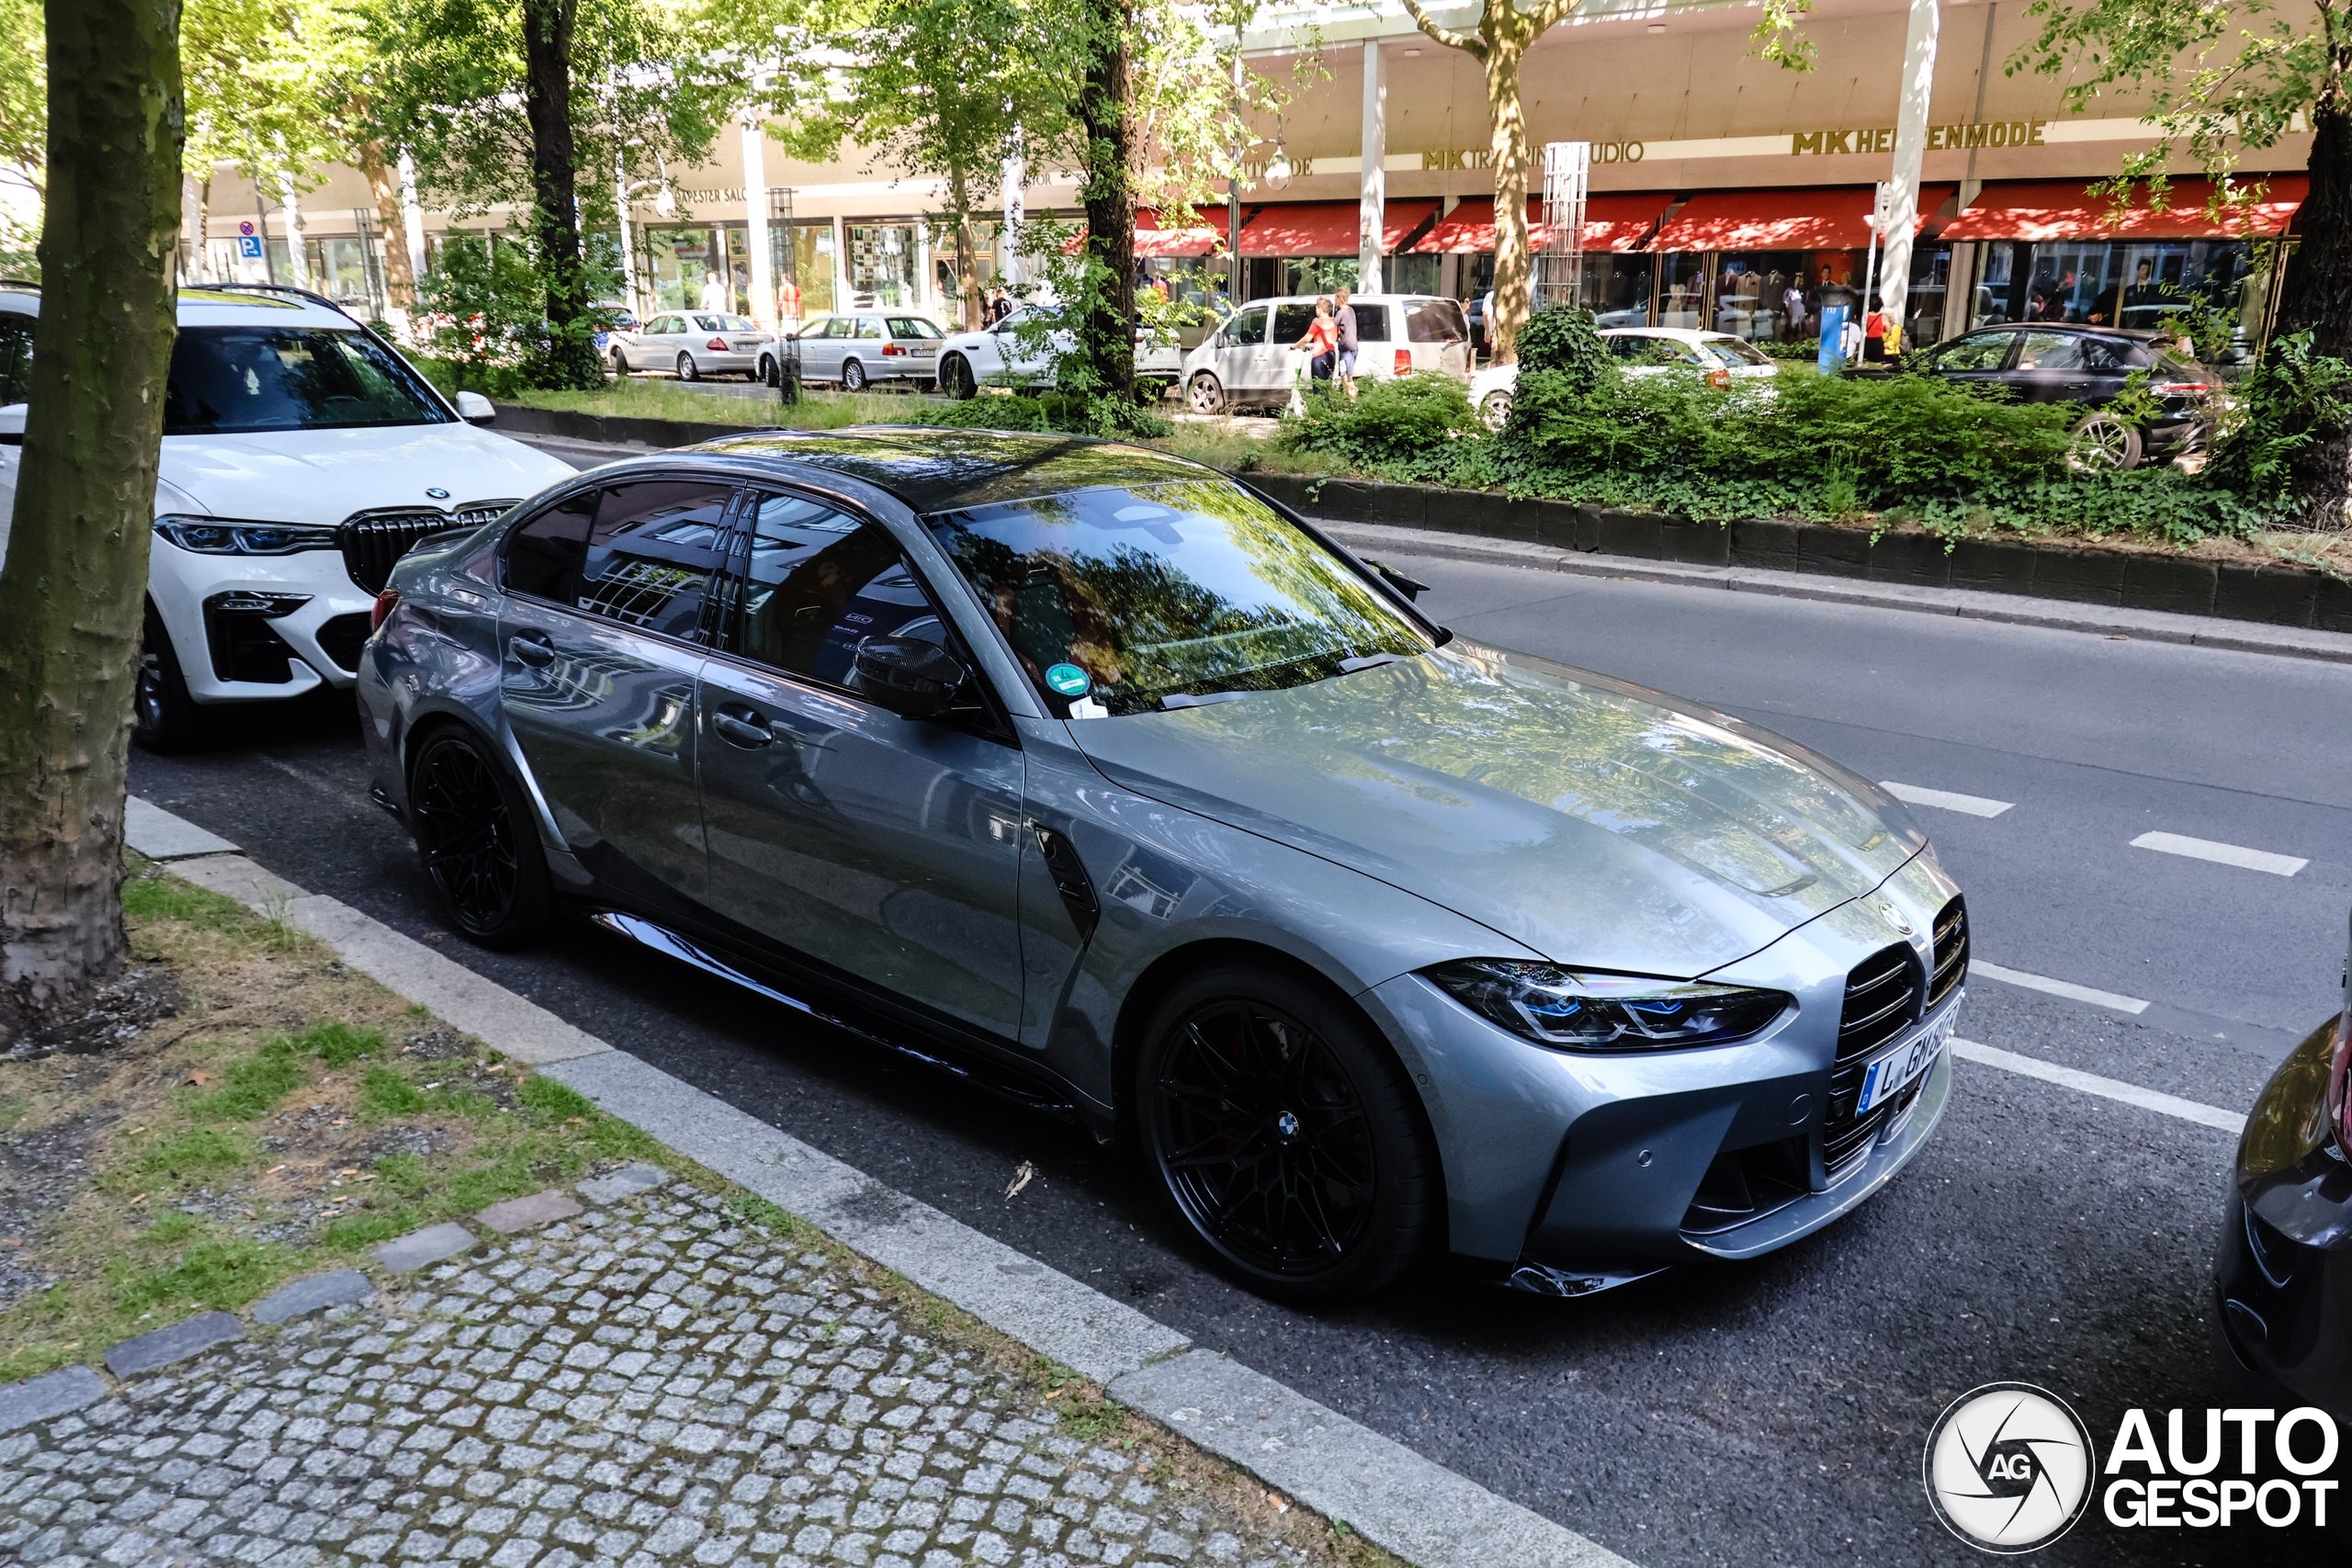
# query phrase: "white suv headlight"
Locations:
[[234, 537]]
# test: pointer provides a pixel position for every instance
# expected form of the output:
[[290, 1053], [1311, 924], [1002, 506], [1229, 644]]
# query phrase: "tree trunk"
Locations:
[[73, 588], [968, 267], [1106, 333], [1514, 262], [2318, 293], [384, 186], [547, 104]]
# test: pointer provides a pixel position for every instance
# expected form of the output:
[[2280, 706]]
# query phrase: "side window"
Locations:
[[1290, 322], [1371, 323], [650, 553], [543, 556], [869, 326], [818, 584], [1984, 352], [2051, 351], [1248, 327], [840, 327]]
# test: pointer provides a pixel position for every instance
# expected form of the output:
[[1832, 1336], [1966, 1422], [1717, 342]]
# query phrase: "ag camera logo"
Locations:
[[2008, 1468]]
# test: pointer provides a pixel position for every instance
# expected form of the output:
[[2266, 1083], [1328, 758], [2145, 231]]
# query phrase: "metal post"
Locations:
[[1371, 183], [261, 226]]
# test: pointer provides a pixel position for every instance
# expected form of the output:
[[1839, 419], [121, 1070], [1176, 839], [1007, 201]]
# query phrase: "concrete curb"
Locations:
[[1394, 1497], [2147, 626]]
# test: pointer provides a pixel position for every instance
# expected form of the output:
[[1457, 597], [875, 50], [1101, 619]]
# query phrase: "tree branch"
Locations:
[[1474, 48]]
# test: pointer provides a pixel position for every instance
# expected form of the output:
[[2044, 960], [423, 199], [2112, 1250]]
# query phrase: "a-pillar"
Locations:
[[1910, 147], [1372, 182]]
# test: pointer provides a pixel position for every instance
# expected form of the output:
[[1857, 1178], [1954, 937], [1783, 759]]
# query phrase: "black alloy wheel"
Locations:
[[474, 835], [164, 717], [1284, 1132], [955, 378]]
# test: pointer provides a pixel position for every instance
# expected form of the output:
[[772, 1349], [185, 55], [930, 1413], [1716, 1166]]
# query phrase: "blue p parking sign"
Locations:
[[249, 245]]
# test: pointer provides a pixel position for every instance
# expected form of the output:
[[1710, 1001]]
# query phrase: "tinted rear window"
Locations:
[[1371, 323], [238, 378], [1435, 321]]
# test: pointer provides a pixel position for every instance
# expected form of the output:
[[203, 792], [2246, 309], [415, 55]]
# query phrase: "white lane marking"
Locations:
[[1943, 800], [2106, 1089], [2067, 989], [2222, 854]]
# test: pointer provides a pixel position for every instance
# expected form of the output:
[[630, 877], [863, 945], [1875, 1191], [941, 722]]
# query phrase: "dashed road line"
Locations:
[[1945, 800], [2220, 855], [2106, 1089], [2067, 989]]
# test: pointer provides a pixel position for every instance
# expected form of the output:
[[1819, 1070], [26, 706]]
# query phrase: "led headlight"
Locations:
[[1578, 1010], [231, 536]]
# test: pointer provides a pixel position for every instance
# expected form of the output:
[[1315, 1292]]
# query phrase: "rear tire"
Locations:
[[1205, 395], [1495, 408], [687, 370], [164, 718], [1284, 1132], [2103, 441], [475, 838], [853, 377]]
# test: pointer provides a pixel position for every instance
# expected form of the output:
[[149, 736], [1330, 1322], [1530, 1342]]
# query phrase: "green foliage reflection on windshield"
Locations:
[[1166, 594]]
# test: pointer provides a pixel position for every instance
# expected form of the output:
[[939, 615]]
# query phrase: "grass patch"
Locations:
[[339, 1044], [154, 896], [635, 399], [221, 1273], [197, 1154], [254, 1086]]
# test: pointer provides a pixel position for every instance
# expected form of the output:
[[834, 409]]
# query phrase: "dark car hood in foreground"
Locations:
[[1599, 824]]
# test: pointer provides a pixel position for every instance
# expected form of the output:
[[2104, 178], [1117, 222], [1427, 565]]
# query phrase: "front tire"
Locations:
[[767, 375], [1205, 395], [956, 378], [1284, 1132], [475, 838], [687, 369], [853, 377], [620, 364], [164, 718]]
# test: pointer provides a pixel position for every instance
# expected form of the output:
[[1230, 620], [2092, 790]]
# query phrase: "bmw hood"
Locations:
[[1597, 823], [324, 476]]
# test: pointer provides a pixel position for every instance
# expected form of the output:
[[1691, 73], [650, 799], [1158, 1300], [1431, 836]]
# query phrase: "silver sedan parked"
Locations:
[[1115, 786], [695, 344], [856, 349]]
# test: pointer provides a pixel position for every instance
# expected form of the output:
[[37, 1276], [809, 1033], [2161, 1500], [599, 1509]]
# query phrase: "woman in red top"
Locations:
[[1321, 342]]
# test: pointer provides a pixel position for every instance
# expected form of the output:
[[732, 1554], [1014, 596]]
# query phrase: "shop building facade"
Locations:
[[1726, 191]]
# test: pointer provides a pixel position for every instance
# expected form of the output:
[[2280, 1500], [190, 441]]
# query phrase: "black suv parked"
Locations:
[[2056, 361]]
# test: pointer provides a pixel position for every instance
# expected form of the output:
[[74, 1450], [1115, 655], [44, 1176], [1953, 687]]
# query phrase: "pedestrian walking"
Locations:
[[1344, 320], [1321, 342]]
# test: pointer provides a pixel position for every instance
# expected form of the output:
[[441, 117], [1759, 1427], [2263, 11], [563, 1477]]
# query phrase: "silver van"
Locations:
[[1249, 361]]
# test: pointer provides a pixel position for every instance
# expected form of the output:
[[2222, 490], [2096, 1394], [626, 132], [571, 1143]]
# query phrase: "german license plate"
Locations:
[[924, 352], [1888, 1075]]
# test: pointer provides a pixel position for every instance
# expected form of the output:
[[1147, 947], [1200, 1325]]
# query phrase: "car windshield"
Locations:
[[1735, 352], [1159, 596], [236, 379]]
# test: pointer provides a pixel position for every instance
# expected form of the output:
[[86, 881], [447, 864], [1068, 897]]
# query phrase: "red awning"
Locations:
[[1197, 239], [1835, 217], [2061, 209], [1326, 228], [1612, 222]]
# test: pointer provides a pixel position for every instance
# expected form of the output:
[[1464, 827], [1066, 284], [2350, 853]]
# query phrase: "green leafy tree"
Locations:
[[73, 587], [539, 102], [2224, 80]]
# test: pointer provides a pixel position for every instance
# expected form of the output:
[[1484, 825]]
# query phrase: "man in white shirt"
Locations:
[[714, 293]]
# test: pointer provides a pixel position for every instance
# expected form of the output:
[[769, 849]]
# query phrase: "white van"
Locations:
[[1248, 361]]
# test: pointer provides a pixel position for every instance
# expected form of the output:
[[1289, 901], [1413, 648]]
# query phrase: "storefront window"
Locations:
[[1998, 272], [1924, 306], [1616, 288], [1416, 274], [680, 263], [882, 265], [800, 259], [1759, 295], [342, 269], [2074, 280], [2165, 278], [947, 269], [1319, 274], [1682, 289]]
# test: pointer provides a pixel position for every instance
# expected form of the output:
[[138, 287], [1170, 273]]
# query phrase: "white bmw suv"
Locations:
[[301, 456]]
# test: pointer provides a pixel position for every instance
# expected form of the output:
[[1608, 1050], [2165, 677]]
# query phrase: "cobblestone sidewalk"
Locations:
[[654, 1384]]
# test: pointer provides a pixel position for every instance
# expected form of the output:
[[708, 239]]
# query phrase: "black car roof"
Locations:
[[934, 469]]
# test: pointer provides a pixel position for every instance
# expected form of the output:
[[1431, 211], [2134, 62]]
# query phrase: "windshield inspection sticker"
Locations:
[[1069, 679]]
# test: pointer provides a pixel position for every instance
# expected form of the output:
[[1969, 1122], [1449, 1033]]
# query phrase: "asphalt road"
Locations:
[[1770, 1413]]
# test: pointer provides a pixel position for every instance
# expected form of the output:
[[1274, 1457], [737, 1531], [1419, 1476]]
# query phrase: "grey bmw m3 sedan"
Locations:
[[1097, 776]]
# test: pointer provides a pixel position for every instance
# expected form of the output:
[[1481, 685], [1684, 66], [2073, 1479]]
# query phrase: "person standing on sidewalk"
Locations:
[[1344, 318]]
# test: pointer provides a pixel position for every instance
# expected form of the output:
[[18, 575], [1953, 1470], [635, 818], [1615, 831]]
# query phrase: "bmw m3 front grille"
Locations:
[[1883, 1001], [1951, 953]]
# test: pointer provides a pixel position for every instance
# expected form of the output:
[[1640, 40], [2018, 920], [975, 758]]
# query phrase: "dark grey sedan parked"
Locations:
[[1100, 777]]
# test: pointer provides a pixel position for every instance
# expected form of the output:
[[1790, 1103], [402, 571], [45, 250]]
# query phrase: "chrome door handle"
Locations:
[[741, 730], [531, 651]]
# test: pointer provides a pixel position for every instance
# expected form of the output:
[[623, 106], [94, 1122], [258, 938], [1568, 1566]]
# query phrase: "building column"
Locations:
[[1372, 182], [1015, 178], [412, 216], [1910, 146], [842, 300], [755, 214]]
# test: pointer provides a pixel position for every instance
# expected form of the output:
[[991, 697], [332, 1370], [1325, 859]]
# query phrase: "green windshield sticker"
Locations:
[[1069, 679]]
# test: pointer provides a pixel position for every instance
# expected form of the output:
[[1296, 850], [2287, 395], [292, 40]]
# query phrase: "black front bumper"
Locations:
[[2282, 1274]]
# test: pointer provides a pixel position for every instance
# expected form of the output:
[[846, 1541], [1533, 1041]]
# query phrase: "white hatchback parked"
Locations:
[[301, 455]]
